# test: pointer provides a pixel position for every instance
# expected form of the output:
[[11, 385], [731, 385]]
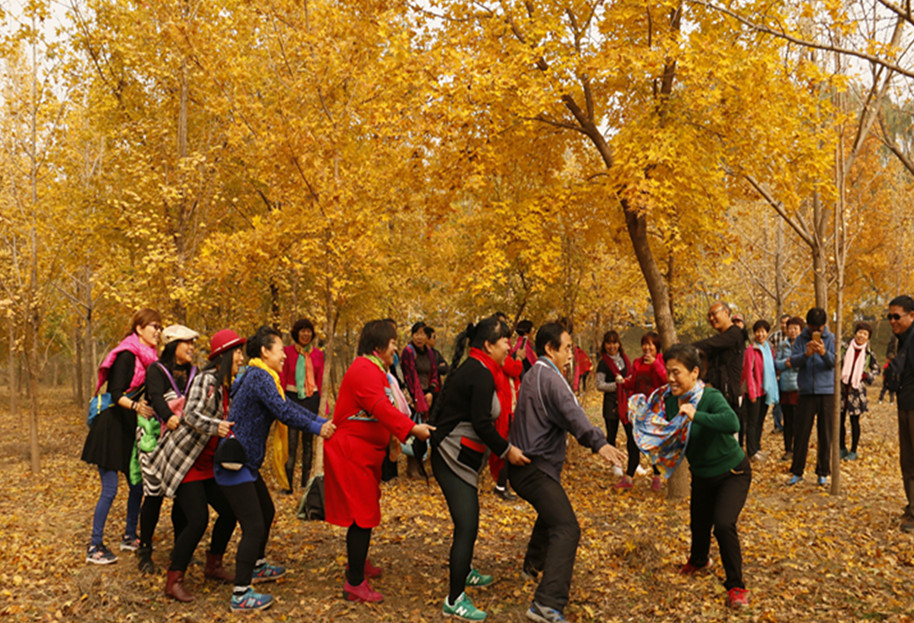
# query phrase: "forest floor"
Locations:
[[808, 555]]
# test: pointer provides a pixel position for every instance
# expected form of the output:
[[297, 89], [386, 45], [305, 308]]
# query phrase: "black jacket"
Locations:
[[724, 352]]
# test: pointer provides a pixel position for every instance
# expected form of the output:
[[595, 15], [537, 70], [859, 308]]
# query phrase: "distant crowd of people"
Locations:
[[505, 400]]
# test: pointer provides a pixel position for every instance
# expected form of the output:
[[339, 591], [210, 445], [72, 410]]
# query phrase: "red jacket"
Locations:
[[365, 418]]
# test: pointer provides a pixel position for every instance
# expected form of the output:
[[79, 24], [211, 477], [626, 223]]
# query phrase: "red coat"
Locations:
[[353, 455], [645, 378]]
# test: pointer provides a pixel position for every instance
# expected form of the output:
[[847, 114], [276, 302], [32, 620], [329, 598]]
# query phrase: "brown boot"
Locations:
[[215, 571], [174, 587]]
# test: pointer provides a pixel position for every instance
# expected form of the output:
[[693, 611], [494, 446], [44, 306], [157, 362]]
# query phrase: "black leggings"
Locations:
[[634, 455], [192, 498], [149, 519], [463, 502], [855, 431], [358, 540], [253, 506]]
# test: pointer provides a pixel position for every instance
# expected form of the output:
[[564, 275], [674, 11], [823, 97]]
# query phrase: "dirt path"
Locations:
[[808, 556]]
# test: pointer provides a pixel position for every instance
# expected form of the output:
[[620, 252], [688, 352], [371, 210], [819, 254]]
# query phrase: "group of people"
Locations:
[[200, 436]]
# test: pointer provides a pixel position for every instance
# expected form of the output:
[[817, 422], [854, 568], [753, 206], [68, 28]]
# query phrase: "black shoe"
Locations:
[[504, 493], [286, 491], [145, 564]]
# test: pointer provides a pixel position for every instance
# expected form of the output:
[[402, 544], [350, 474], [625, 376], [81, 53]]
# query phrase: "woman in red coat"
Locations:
[[365, 417], [647, 374]]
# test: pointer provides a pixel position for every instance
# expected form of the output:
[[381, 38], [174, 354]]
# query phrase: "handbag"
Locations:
[[101, 402], [230, 453], [176, 405], [311, 506]]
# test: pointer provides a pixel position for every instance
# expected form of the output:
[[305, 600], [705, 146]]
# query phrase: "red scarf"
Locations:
[[502, 389], [621, 396]]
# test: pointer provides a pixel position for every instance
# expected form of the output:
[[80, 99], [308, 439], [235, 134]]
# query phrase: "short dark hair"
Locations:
[[419, 326], [550, 334], [761, 324], [783, 317], [864, 325], [524, 327], [903, 301], [429, 331], [611, 336], [816, 317], [375, 335], [264, 338], [686, 354], [489, 330], [797, 321], [301, 324]]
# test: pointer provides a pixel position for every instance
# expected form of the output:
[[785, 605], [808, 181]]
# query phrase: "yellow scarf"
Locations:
[[257, 362]]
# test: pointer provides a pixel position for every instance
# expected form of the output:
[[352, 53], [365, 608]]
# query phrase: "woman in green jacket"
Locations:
[[720, 469]]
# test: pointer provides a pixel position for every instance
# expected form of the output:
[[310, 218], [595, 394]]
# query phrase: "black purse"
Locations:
[[230, 454]]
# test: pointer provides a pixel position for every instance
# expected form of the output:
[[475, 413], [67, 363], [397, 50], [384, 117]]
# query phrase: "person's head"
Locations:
[[267, 345], [782, 321], [901, 313], [419, 337], [491, 335], [432, 337], [760, 330], [862, 332], [794, 327], [302, 332], [147, 324], [179, 345], [719, 316], [611, 344], [379, 338], [739, 320], [554, 342], [226, 354], [816, 319], [683, 364], [524, 327], [650, 343]]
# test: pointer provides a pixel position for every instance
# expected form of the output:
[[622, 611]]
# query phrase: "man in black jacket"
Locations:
[[901, 318], [724, 352]]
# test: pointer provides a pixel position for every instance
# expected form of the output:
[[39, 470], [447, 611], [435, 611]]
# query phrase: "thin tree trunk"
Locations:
[[14, 363]]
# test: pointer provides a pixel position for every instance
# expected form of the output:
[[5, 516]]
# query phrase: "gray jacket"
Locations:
[[546, 411]]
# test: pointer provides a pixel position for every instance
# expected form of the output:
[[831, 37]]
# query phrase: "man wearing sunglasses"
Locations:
[[901, 317]]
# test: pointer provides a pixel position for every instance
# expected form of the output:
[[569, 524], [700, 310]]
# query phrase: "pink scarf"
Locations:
[[854, 360], [144, 354]]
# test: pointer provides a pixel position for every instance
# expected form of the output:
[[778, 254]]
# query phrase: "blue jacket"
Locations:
[[255, 404], [815, 374], [788, 376]]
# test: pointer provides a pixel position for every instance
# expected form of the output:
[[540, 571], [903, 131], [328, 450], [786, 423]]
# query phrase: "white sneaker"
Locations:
[[617, 471], [641, 471]]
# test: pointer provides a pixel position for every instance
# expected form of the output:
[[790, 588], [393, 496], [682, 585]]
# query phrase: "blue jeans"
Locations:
[[106, 498], [778, 416]]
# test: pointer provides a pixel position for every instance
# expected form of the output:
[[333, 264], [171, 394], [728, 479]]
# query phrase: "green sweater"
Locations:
[[713, 449]]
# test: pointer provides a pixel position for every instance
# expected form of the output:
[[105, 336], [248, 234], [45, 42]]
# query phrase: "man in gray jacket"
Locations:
[[547, 411]]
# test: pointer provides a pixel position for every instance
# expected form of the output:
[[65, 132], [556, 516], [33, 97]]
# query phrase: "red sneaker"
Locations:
[[690, 569], [624, 484], [656, 484], [737, 597], [363, 592]]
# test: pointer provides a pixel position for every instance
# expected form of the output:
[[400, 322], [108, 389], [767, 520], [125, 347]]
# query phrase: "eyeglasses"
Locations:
[[155, 326], [893, 316]]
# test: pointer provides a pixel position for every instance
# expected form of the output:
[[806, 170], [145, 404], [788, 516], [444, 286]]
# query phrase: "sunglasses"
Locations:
[[894, 316], [155, 326]]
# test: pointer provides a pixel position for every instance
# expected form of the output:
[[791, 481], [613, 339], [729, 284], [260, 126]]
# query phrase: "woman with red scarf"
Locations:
[[464, 433], [648, 372]]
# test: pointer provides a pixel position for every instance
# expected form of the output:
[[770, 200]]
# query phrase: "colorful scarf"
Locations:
[[304, 373], [663, 440], [257, 362], [145, 356], [854, 362]]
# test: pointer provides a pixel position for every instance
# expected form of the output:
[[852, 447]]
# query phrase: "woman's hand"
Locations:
[[173, 422], [224, 427], [142, 408], [613, 455], [619, 379], [648, 359], [516, 456], [421, 431], [428, 398], [688, 410], [327, 429]]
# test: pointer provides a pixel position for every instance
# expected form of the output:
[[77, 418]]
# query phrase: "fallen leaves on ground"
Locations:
[[808, 556]]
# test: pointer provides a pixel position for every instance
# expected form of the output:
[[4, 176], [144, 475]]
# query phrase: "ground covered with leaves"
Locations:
[[808, 555]]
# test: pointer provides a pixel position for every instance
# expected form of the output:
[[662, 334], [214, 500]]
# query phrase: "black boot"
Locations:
[[145, 564]]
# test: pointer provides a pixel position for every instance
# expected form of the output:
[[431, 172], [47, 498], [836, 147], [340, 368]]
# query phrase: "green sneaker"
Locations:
[[463, 609], [478, 579]]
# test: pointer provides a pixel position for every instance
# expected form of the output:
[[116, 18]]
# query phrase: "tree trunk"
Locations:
[[779, 285], [819, 259], [332, 316], [79, 395], [14, 381]]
